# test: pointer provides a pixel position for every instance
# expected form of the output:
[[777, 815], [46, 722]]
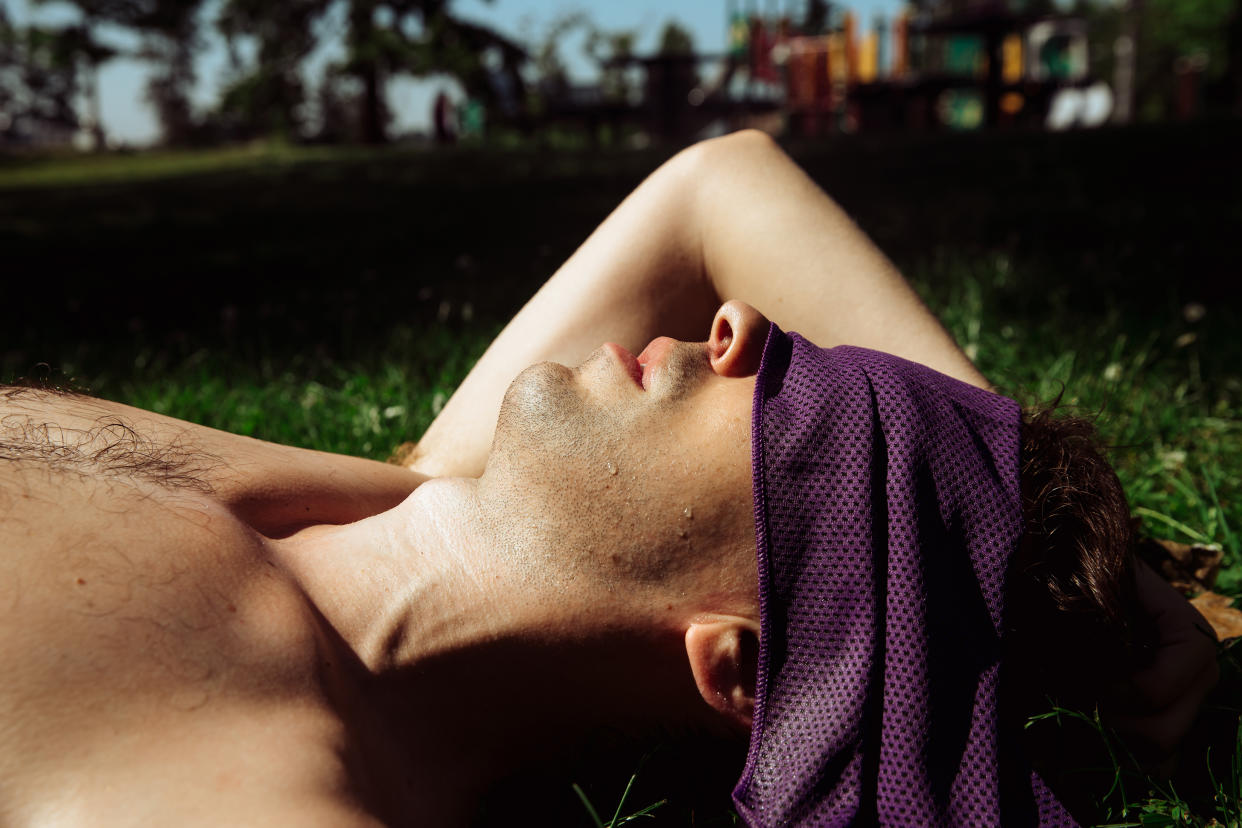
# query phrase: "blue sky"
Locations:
[[128, 117]]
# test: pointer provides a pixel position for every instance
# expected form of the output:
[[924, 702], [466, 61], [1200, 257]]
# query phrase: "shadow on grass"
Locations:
[[262, 254]]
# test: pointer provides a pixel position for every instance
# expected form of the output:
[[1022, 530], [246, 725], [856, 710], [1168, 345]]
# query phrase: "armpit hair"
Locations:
[[111, 448]]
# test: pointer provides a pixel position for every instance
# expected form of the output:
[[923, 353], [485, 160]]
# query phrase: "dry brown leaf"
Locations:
[[1190, 569], [1216, 608]]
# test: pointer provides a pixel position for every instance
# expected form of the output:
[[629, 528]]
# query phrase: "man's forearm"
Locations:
[[731, 218]]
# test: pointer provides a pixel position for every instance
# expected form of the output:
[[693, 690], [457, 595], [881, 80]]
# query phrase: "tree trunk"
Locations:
[[96, 111], [1125, 50], [366, 67], [373, 131], [1233, 57]]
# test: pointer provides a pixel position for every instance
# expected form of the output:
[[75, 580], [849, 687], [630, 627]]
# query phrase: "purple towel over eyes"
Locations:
[[887, 505]]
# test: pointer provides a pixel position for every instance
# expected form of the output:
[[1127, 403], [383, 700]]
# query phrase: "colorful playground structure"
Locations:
[[984, 65]]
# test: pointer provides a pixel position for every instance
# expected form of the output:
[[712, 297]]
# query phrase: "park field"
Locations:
[[333, 298]]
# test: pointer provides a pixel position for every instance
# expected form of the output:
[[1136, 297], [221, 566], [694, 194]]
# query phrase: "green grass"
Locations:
[[1129, 799], [333, 299], [1168, 406], [1166, 394], [365, 408], [76, 169]]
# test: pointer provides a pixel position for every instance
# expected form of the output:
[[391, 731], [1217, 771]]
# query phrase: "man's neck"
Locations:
[[403, 585], [469, 661]]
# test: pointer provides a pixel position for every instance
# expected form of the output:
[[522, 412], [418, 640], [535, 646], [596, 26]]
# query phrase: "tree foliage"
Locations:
[[44, 71], [264, 98], [610, 50], [1188, 28], [267, 92], [419, 38], [675, 40], [80, 46], [172, 40], [1171, 36], [551, 74], [38, 81]]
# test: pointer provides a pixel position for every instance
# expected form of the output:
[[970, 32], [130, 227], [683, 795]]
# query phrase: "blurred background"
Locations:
[[303, 220], [243, 173]]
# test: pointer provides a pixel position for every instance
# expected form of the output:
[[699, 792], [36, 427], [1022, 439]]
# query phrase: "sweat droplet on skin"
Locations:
[[612, 468], [688, 512]]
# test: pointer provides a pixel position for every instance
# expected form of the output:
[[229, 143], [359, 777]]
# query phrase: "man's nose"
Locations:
[[737, 338]]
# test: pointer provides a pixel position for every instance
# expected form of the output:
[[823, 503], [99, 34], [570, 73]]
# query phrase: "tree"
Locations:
[[1179, 35], [38, 81], [172, 40], [338, 103], [1232, 72], [551, 75], [369, 56], [421, 37], [675, 40], [169, 31], [266, 98], [1154, 37], [611, 51], [671, 79], [80, 44], [1184, 28], [10, 74], [267, 94], [486, 63], [683, 75]]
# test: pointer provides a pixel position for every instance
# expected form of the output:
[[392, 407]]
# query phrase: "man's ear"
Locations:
[[724, 658]]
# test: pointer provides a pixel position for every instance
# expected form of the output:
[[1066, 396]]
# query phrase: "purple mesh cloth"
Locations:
[[886, 508]]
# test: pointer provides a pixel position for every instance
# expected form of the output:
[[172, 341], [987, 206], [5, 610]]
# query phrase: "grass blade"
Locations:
[[586, 803], [612, 823], [1175, 524]]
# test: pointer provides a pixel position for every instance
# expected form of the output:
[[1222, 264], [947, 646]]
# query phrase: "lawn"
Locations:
[[333, 299]]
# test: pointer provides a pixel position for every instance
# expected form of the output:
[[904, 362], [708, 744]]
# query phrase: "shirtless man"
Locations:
[[201, 628]]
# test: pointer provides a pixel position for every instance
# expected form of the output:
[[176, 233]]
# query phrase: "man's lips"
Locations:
[[641, 368], [628, 361], [653, 356]]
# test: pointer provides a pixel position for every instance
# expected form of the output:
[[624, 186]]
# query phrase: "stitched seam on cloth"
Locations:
[[872, 728], [759, 488]]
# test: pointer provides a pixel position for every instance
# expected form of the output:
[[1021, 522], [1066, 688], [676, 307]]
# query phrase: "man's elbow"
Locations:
[[726, 151]]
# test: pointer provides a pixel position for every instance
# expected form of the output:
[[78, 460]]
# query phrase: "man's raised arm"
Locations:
[[730, 218]]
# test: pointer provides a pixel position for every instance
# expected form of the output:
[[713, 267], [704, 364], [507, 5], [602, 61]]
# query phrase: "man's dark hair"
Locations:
[[1074, 619], [1075, 630]]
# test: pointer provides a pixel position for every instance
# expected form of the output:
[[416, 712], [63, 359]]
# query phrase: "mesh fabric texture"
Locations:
[[887, 505]]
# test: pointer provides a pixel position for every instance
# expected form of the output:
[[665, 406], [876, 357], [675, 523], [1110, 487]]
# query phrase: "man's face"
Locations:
[[638, 467]]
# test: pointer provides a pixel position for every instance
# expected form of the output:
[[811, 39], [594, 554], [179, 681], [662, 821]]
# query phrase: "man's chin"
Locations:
[[540, 399]]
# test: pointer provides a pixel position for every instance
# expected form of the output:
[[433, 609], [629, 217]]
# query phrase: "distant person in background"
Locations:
[[444, 118], [473, 119], [834, 555]]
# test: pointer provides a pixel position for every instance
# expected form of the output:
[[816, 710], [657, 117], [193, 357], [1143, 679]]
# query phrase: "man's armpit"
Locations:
[[66, 433]]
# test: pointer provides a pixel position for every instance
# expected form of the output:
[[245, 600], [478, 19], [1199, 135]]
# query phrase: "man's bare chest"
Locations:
[[154, 661]]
